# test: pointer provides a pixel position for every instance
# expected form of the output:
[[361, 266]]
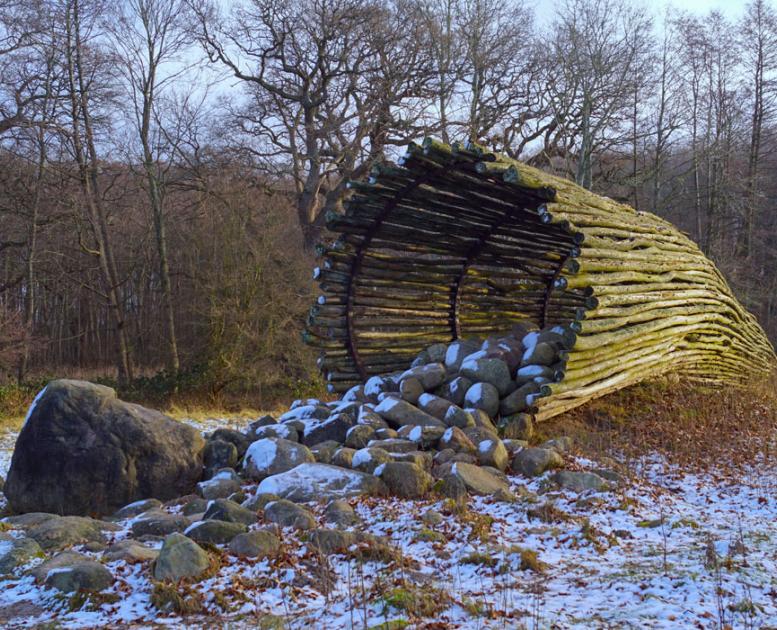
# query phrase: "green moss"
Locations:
[[417, 601], [181, 599], [481, 558], [429, 535]]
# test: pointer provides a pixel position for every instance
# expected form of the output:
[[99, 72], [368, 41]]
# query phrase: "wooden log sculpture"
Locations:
[[456, 241]]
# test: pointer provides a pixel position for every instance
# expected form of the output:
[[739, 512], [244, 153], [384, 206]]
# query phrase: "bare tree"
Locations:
[[81, 66], [759, 45], [322, 74], [150, 36], [595, 55]]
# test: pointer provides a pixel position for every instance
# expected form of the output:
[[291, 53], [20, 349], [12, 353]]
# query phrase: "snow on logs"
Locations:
[[457, 242]]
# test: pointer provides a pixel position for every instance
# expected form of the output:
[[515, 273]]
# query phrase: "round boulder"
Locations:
[[83, 451]]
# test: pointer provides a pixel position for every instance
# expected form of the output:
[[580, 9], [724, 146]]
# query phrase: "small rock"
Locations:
[[542, 353], [195, 506], [343, 457], [518, 427], [324, 451], [137, 507], [376, 385], [214, 531], [394, 445], [237, 497], [398, 412], [221, 485], [226, 510], [158, 523], [456, 352], [453, 487], [519, 400], [283, 431], [561, 444], [368, 459], [180, 557], [579, 481], [385, 434], [311, 482], [334, 428], [257, 501], [358, 436], [454, 438], [218, 454], [257, 544], [491, 452], [482, 420], [239, 440], [355, 394], [478, 480], [431, 517], [483, 396], [410, 389], [422, 436], [404, 479], [84, 575], [270, 456], [532, 462], [288, 514], [422, 459], [487, 370], [63, 531], [454, 390], [341, 513], [369, 418], [431, 375], [16, 551], [332, 541], [130, 551]]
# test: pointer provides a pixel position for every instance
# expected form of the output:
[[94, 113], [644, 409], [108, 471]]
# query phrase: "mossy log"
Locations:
[[456, 241]]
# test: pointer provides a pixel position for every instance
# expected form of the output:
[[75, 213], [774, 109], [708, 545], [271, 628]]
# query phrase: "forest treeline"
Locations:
[[166, 166]]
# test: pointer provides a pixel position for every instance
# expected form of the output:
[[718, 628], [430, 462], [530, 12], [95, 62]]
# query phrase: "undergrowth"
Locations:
[[693, 426]]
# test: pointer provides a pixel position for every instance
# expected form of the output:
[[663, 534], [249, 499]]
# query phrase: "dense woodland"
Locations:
[[167, 165]]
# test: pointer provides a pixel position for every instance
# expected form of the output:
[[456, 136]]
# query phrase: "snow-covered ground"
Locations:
[[662, 550]]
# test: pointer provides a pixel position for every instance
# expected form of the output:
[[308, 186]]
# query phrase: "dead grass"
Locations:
[[694, 426]]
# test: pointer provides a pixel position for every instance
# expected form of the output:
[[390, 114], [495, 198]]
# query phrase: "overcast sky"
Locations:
[[731, 8]]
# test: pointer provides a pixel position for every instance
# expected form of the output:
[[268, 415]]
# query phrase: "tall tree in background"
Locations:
[[314, 71], [759, 45], [150, 36], [597, 58], [87, 77]]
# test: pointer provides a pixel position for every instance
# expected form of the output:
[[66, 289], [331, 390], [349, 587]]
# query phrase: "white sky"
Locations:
[[732, 9]]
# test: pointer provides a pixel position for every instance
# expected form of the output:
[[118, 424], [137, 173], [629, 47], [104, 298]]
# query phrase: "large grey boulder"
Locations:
[[311, 482], [84, 451]]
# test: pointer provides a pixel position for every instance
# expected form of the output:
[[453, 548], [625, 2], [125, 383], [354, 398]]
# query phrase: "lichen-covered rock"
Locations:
[[16, 551], [131, 551], [334, 428], [310, 482], [398, 412], [368, 459], [224, 483], [532, 462], [270, 456], [218, 454], [214, 531], [358, 436], [431, 375], [256, 544], [158, 523], [517, 427], [483, 396], [404, 479], [226, 510], [81, 575], [137, 507], [180, 557], [341, 513], [60, 532], [579, 481], [454, 438], [83, 451], [478, 480], [487, 370], [288, 514]]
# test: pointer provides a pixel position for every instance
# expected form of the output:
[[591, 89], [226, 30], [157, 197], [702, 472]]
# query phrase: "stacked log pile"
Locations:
[[456, 241]]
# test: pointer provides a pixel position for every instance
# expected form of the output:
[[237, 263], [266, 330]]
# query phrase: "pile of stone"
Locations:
[[459, 416], [451, 425]]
